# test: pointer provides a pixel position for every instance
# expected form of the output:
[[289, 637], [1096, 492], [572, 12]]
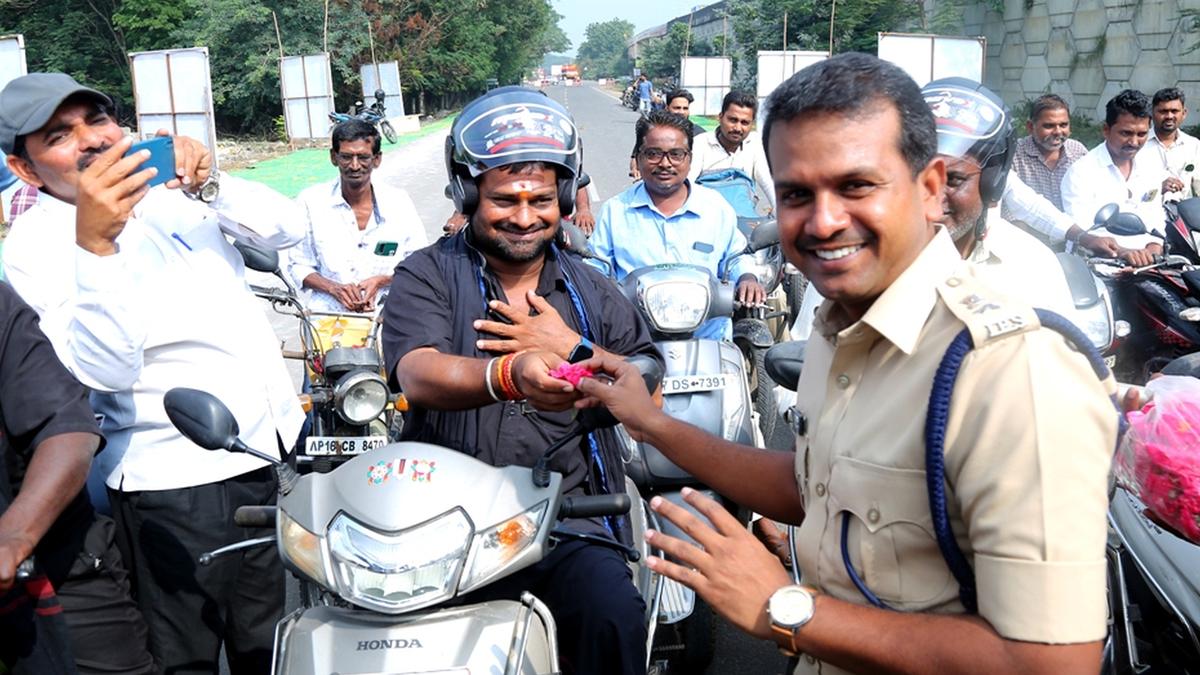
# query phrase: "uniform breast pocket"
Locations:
[[888, 534]]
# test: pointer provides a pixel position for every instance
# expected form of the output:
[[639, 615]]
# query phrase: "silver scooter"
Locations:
[[386, 540]]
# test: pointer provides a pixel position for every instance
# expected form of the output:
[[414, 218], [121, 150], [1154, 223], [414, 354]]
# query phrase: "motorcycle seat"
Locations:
[[784, 361]]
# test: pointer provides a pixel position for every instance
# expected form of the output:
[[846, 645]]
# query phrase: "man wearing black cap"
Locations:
[[140, 291]]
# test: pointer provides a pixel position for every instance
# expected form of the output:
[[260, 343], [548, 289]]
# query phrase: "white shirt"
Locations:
[[1026, 205], [1093, 181], [169, 309], [336, 249], [1184, 152], [709, 155], [1011, 261]]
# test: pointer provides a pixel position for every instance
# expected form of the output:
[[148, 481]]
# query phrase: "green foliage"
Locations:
[[447, 49], [758, 24], [602, 53], [661, 58]]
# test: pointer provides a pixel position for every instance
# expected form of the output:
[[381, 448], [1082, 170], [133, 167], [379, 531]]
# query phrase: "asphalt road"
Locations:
[[607, 130]]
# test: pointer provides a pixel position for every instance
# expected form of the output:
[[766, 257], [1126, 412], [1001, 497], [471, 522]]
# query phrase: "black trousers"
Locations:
[[192, 609], [590, 591], [89, 624]]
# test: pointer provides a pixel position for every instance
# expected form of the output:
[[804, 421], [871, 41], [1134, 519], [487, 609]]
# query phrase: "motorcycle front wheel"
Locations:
[[385, 127]]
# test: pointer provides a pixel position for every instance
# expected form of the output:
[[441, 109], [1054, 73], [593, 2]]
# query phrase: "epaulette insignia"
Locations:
[[988, 317]]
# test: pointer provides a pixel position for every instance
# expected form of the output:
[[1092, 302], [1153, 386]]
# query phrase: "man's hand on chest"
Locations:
[[544, 330]]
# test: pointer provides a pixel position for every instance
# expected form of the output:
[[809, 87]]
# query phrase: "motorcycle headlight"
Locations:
[[1096, 330], [360, 397], [676, 306], [495, 547], [399, 571], [303, 549]]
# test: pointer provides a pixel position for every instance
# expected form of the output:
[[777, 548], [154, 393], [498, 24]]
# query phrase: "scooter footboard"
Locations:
[[481, 638]]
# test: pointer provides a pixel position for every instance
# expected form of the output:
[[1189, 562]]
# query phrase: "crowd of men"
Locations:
[[885, 196]]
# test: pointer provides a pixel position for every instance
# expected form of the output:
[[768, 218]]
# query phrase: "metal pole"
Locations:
[[374, 61], [785, 31], [325, 33], [687, 41], [832, 13]]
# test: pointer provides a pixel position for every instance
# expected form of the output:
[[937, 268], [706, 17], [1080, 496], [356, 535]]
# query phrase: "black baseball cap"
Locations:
[[29, 101]]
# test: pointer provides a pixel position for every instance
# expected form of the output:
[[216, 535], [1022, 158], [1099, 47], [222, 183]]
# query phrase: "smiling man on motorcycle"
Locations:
[[472, 327]]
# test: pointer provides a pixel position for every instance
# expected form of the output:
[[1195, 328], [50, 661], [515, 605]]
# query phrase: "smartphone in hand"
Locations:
[[162, 157]]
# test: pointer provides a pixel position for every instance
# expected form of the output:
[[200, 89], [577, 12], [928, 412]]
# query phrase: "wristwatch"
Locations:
[[789, 608], [582, 351], [208, 190]]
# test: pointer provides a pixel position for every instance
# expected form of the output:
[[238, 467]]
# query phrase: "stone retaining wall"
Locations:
[[1087, 50]]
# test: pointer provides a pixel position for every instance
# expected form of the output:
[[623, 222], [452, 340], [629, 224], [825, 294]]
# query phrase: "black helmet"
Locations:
[[510, 125], [972, 121], [380, 95]]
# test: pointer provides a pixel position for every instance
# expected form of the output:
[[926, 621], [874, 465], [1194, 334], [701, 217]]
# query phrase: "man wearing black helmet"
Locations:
[[472, 328]]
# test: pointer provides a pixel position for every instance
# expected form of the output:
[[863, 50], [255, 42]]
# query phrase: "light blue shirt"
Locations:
[[632, 233]]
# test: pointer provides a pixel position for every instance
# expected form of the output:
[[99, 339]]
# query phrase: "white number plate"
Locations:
[[693, 383], [1110, 360], [320, 446]]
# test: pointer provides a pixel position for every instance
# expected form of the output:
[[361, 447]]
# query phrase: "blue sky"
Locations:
[[577, 14]]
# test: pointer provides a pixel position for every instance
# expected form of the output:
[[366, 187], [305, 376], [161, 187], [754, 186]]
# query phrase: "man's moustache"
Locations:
[[90, 156]]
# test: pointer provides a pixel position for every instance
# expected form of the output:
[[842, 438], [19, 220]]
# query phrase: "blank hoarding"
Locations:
[[307, 88], [389, 73], [12, 58], [707, 78], [931, 57], [775, 67], [172, 90]]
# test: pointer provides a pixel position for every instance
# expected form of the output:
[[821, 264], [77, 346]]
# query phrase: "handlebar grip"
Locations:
[[592, 506], [255, 516]]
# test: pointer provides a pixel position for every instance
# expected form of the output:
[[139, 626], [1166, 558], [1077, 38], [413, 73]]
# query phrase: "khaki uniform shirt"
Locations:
[[1029, 441]]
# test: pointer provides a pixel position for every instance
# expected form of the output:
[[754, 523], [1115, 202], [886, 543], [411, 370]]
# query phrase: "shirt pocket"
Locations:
[[890, 537]]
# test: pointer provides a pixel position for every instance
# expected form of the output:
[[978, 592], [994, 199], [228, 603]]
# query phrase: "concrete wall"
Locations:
[[1087, 50]]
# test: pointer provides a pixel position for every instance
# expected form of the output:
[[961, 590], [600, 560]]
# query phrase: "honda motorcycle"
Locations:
[[385, 543], [348, 403]]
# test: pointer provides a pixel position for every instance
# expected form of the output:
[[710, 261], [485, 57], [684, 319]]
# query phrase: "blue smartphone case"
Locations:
[[162, 157]]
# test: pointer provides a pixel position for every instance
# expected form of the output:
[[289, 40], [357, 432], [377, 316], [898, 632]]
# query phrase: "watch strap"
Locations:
[[790, 634]]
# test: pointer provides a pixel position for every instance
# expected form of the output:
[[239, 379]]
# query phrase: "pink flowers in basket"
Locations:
[[571, 372], [1159, 458]]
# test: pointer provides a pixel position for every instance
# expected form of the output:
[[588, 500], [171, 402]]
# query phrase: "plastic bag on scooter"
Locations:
[[1159, 457]]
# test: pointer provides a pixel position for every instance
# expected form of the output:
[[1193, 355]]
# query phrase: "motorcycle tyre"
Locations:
[[762, 389], [385, 127], [794, 286]]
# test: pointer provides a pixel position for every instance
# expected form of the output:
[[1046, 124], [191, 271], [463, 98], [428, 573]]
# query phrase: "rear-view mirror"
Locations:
[[202, 419], [1126, 225], [1105, 214], [765, 235], [257, 258]]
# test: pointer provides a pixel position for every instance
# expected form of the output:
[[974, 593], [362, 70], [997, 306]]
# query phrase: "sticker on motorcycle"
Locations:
[[380, 472], [422, 470]]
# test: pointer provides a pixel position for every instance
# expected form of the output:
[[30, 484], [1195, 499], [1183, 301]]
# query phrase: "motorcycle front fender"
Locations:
[[754, 332]]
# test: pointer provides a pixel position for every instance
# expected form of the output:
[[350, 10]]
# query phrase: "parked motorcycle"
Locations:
[[755, 329], [375, 114], [383, 544], [1156, 308], [350, 408], [629, 98]]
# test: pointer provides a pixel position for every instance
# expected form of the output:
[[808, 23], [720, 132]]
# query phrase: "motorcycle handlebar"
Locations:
[[255, 516], [591, 506]]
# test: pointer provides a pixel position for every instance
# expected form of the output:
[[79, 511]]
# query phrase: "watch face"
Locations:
[[790, 606], [208, 192]]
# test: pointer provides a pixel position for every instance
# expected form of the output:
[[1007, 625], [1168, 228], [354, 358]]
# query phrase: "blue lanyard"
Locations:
[[611, 523]]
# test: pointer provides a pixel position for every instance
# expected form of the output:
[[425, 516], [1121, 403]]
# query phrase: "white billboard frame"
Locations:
[[172, 90], [775, 67], [12, 58], [307, 100], [708, 79], [927, 57], [389, 72]]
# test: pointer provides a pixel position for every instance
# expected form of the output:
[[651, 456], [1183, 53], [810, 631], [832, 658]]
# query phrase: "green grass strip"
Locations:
[[291, 173]]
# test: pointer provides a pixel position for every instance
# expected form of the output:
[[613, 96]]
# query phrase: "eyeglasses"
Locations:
[[348, 159], [676, 155]]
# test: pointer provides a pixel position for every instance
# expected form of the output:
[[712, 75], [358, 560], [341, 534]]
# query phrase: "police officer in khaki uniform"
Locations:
[[1029, 433]]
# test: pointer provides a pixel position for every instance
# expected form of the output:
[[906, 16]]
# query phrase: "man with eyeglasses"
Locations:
[[357, 231], [667, 219]]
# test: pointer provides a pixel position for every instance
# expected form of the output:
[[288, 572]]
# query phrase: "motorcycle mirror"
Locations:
[[784, 361], [765, 235], [1126, 224], [571, 238], [1104, 215], [592, 419], [202, 419], [257, 258]]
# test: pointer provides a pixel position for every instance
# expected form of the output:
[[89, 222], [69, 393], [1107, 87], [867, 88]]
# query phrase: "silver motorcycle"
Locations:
[[383, 543]]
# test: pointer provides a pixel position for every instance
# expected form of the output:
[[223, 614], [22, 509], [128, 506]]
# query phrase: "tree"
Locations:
[[602, 53], [758, 24], [662, 57]]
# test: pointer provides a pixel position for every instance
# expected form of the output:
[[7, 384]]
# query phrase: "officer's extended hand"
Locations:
[[107, 192], [624, 395], [749, 291], [531, 374], [544, 331], [730, 569], [13, 550]]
